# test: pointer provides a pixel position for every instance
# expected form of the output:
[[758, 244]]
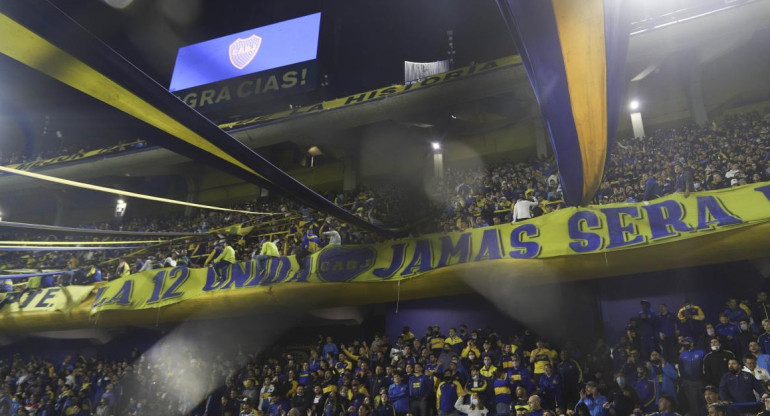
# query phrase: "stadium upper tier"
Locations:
[[648, 54]]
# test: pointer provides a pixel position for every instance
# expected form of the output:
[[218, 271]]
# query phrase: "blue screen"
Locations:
[[247, 52]]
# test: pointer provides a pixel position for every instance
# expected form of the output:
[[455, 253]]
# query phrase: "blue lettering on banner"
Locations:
[[176, 276], [765, 190], [422, 260], [622, 233], [49, 293], [712, 213], [490, 246], [397, 260], [584, 241], [524, 249], [666, 219], [461, 250], [278, 271], [343, 264], [123, 297], [211, 281], [99, 299], [241, 274], [300, 276], [23, 303]]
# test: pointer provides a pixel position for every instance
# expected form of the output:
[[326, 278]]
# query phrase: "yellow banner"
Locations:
[[44, 300], [569, 232], [69, 158], [379, 93]]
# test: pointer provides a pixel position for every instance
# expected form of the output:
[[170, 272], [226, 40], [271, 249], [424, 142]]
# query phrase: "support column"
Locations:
[[193, 184], [57, 219], [637, 125], [695, 96], [541, 138], [349, 174], [438, 164]]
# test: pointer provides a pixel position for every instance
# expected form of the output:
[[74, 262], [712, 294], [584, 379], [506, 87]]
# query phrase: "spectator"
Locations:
[[476, 406], [477, 384], [520, 375], [764, 339], [571, 376], [666, 407], [247, 408], [739, 386], [663, 374], [765, 405], [691, 317], [550, 388], [123, 269], [448, 391], [502, 390], [385, 408], [94, 274], [684, 179], [667, 326], [420, 388], [222, 262], [333, 236], [715, 363], [646, 389], [593, 400], [763, 360], [268, 250], [761, 309], [522, 210], [539, 357], [454, 341], [691, 373], [398, 393], [734, 312], [758, 372]]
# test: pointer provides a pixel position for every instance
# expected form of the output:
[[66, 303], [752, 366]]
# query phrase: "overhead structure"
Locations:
[[574, 53]]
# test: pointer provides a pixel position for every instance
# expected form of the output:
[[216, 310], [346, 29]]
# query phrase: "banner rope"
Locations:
[[91, 187]]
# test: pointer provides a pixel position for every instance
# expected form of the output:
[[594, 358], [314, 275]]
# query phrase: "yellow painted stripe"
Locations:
[[23, 45], [89, 186], [581, 32]]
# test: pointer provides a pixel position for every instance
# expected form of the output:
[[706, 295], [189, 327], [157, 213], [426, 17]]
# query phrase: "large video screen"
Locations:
[[255, 50]]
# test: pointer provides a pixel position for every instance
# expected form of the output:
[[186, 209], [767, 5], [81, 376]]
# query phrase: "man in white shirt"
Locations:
[[758, 372], [522, 209], [334, 237], [170, 261]]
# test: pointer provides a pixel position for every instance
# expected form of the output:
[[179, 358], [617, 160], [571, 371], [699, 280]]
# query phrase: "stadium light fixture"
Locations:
[[119, 4], [634, 104], [436, 145]]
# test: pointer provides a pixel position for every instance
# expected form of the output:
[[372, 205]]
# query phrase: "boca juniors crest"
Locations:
[[243, 51]]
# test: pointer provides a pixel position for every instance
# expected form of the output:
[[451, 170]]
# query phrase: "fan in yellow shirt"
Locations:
[[541, 356]]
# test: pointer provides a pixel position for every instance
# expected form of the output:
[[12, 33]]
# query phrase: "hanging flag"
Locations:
[[575, 55]]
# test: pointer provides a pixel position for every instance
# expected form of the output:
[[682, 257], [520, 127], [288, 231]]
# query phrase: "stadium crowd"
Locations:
[[733, 152], [666, 363], [728, 153]]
